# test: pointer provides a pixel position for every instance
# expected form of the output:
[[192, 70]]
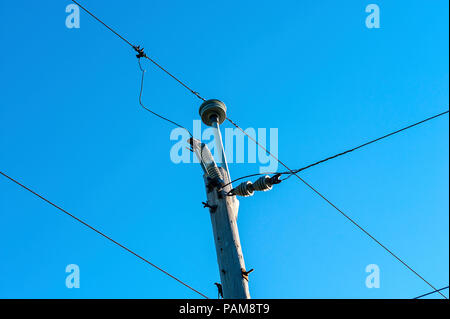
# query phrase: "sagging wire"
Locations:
[[140, 52], [291, 173], [139, 56], [149, 110], [335, 207]]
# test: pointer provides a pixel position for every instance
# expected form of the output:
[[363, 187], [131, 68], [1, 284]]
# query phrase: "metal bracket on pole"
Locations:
[[212, 208], [246, 273]]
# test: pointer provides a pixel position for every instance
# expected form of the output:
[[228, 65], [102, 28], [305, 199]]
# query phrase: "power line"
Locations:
[[176, 79], [101, 233], [140, 51], [147, 109], [372, 141], [158, 115], [112, 30], [335, 207], [140, 55], [431, 293], [346, 152], [291, 172]]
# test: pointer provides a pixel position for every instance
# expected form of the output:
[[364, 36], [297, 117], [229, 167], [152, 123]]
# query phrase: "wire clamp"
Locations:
[[275, 179], [140, 51]]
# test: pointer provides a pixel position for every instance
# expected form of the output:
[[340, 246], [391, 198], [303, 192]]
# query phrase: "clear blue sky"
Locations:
[[72, 130]]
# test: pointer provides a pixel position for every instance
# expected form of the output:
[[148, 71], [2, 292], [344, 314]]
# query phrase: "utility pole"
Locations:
[[222, 207]]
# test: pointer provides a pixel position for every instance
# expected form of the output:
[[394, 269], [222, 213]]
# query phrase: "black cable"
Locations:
[[160, 116], [372, 141], [139, 50], [92, 15], [291, 172], [147, 109], [171, 75], [343, 153], [99, 232], [141, 54], [418, 297], [334, 206]]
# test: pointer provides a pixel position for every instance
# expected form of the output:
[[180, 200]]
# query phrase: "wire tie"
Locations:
[[140, 52]]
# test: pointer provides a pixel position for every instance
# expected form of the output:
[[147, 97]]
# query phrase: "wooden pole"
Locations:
[[223, 210]]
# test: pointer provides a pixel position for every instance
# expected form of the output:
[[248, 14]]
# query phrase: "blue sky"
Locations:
[[72, 130]]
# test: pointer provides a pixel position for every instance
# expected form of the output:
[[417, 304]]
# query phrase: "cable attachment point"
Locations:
[[140, 51], [262, 184], [275, 179]]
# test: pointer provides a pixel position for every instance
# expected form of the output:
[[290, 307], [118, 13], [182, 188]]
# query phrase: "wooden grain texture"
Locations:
[[228, 246]]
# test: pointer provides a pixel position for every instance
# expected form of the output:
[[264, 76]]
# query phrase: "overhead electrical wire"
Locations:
[[418, 297], [335, 207], [101, 233], [370, 142], [140, 51], [158, 115], [291, 172], [345, 152], [147, 109], [142, 54]]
